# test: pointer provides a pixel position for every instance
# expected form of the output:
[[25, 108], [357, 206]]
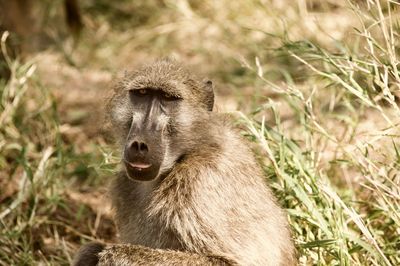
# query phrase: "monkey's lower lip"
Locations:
[[139, 166]]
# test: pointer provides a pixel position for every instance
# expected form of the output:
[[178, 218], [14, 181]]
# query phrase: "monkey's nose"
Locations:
[[137, 146]]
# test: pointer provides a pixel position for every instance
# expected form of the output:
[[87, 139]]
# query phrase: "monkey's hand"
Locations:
[[126, 254], [88, 255]]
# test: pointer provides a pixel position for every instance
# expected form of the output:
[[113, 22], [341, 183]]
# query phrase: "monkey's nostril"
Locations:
[[143, 147], [139, 147], [135, 146]]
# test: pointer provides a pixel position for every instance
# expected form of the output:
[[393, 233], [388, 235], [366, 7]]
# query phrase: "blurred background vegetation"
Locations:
[[313, 83]]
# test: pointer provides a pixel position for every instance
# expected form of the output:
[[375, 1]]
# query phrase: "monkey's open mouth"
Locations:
[[138, 166], [141, 171]]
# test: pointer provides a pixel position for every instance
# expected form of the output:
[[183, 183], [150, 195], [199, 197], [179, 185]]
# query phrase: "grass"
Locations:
[[316, 84]]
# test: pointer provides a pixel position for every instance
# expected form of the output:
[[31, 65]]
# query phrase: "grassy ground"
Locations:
[[314, 83]]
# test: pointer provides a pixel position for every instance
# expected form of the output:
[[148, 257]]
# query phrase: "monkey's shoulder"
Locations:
[[229, 132]]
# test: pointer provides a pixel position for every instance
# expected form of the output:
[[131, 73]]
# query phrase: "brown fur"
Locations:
[[212, 207]]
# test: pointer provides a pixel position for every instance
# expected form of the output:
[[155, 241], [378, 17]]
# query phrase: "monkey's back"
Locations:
[[214, 203]]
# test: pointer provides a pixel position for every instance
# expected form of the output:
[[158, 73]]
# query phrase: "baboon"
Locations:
[[190, 192]]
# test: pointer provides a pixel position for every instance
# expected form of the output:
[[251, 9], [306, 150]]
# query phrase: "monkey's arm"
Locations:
[[125, 254], [88, 255]]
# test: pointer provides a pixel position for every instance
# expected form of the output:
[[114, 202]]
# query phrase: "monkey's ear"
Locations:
[[208, 84], [209, 88]]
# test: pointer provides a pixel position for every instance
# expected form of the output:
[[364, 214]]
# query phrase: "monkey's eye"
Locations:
[[169, 97], [140, 92]]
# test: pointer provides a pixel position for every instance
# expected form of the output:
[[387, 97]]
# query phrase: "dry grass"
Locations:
[[316, 83]]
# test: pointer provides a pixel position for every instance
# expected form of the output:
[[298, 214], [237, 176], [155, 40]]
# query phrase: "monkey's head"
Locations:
[[153, 111]]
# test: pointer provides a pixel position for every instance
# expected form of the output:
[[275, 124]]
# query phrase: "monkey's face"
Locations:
[[155, 112], [156, 126], [146, 144]]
